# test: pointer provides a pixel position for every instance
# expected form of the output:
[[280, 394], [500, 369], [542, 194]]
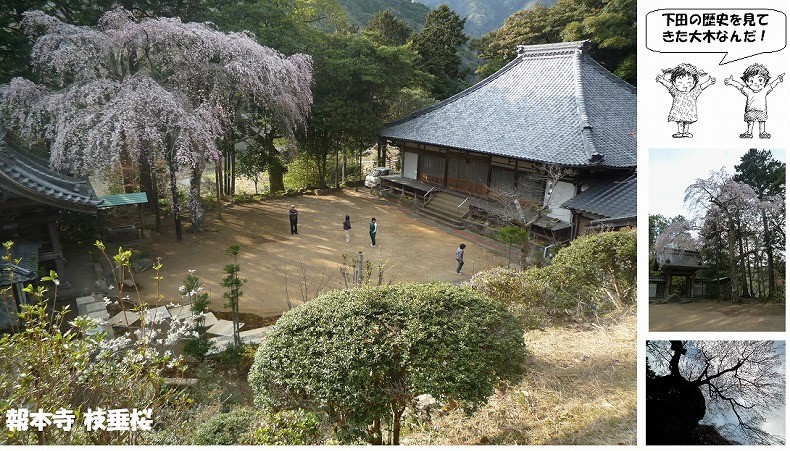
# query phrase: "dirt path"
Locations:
[[712, 316], [415, 251]]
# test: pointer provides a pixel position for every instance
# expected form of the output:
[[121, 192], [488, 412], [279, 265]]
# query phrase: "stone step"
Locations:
[[452, 206], [451, 222], [449, 211], [448, 202], [448, 199]]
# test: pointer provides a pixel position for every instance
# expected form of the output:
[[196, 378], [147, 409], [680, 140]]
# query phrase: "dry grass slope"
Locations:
[[580, 388]]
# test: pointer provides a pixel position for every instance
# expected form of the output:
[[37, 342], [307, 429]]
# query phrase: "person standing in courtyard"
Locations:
[[347, 228], [459, 257], [293, 216], [373, 229]]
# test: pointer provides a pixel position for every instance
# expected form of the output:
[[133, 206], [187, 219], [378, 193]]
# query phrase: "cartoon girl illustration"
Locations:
[[683, 83], [756, 88]]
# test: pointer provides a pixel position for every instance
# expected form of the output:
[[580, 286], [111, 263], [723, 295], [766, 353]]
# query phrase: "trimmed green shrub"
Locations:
[[527, 294], [361, 356], [602, 267], [225, 428], [297, 427], [593, 276]]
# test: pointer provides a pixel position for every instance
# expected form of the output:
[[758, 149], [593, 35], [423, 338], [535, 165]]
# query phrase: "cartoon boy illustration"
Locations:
[[756, 88], [684, 85]]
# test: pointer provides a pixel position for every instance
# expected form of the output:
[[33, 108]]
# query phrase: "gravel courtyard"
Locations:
[[412, 249]]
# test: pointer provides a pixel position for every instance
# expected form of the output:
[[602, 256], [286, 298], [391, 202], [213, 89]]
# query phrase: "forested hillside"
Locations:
[[483, 16], [361, 11]]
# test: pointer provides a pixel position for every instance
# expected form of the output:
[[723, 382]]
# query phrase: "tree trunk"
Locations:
[[321, 159], [751, 261], [678, 350], [276, 172], [233, 169], [719, 294], [236, 335], [146, 177], [345, 166], [218, 183], [275, 165], [127, 171], [744, 274], [397, 412], [176, 203], [336, 176], [525, 259], [759, 270], [227, 162], [733, 262], [770, 252], [374, 433], [195, 203], [154, 199]]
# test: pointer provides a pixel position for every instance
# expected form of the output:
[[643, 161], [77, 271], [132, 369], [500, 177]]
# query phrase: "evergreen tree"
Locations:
[[437, 45], [767, 177], [233, 283], [610, 25], [386, 29]]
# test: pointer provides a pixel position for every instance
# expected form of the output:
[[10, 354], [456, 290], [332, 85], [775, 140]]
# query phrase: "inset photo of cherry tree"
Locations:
[[717, 240]]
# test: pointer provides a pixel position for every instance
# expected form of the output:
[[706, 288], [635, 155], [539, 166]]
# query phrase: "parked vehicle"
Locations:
[[374, 178]]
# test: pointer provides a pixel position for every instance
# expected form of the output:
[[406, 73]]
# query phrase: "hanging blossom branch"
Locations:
[[157, 87]]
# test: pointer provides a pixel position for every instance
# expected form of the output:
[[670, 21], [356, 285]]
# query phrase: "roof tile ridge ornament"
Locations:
[[594, 157], [553, 48]]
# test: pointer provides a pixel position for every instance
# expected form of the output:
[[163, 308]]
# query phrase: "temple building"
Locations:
[[31, 197], [552, 110]]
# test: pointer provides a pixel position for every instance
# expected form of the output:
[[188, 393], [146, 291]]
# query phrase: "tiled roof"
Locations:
[[607, 198], [23, 266], [552, 104], [22, 175], [676, 258]]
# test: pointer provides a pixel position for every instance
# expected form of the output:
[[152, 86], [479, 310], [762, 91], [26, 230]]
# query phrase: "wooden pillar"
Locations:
[[691, 285], [668, 285], [381, 150], [57, 249]]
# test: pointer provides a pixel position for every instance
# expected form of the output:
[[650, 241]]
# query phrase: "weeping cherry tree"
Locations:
[[154, 89], [732, 209]]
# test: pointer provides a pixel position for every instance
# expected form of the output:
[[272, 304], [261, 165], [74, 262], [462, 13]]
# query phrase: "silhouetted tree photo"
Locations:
[[714, 392]]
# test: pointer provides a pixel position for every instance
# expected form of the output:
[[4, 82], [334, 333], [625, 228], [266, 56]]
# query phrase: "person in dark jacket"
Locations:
[[373, 229], [347, 228], [293, 216], [459, 257]]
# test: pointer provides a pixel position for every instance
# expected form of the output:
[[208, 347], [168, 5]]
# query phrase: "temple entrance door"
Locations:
[[410, 165]]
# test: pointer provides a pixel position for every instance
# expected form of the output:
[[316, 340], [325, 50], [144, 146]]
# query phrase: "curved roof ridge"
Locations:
[[524, 51], [27, 176], [581, 107]]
